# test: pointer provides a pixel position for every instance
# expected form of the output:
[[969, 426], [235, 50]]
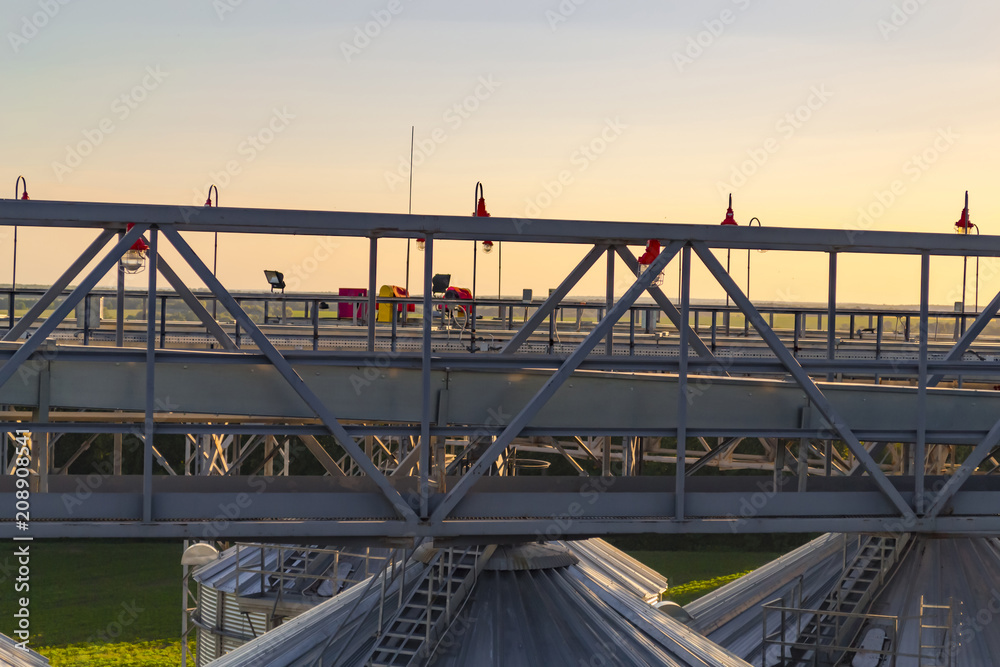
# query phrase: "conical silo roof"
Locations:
[[934, 597], [527, 605]]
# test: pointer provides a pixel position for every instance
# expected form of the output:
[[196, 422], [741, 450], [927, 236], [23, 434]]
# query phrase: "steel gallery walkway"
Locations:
[[428, 440]]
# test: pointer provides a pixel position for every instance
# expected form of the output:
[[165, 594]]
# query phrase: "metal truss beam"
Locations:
[[971, 334], [192, 302], [63, 309], [546, 309], [388, 225], [55, 290], [542, 507], [553, 383], [288, 373], [802, 378], [672, 313]]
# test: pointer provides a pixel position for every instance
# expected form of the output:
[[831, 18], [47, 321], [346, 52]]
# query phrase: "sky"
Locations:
[[871, 114]]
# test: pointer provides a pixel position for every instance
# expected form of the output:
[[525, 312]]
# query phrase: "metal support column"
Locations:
[[919, 451], [147, 458], [682, 394], [609, 300], [372, 290], [425, 381]]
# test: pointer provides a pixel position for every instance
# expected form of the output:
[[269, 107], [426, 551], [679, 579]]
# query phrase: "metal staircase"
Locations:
[[430, 607], [826, 632]]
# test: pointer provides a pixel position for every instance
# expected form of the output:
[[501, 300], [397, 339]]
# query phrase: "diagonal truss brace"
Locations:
[[59, 285], [288, 373], [969, 337], [554, 382], [66, 307], [961, 476], [802, 379], [557, 296], [670, 310], [194, 304]]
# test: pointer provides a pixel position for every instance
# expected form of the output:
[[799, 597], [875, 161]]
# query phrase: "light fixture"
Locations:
[[646, 258], [487, 247], [199, 554], [420, 244], [729, 221], [276, 279], [964, 225], [134, 259], [730, 218]]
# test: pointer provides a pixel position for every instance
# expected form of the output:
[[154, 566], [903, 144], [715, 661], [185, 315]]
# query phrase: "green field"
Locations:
[[695, 570], [118, 604], [97, 592]]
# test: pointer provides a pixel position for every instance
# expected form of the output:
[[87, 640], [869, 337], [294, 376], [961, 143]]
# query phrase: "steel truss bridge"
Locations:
[[839, 419]]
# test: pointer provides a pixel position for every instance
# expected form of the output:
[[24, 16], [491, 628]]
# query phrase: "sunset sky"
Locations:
[[810, 113]]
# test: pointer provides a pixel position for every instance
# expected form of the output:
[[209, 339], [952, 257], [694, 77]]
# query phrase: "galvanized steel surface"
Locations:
[[12, 656], [553, 617], [963, 573]]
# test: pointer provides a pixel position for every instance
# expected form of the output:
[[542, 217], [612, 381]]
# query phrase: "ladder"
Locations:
[[429, 608], [935, 654], [853, 593]]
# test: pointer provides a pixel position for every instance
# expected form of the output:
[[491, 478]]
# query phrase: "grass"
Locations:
[[694, 573], [137, 654], [89, 591]]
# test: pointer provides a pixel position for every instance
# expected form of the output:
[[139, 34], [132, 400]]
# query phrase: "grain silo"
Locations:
[[527, 604], [864, 601]]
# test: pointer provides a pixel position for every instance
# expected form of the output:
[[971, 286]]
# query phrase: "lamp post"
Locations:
[[13, 278], [750, 224], [215, 249], [964, 226], [208, 203], [478, 211]]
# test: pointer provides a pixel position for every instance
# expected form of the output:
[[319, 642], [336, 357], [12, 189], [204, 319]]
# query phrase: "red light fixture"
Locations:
[[420, 244], [134, 260], [646, 258], [730, 219], [17, 184], [481, 212], [964, 225]]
